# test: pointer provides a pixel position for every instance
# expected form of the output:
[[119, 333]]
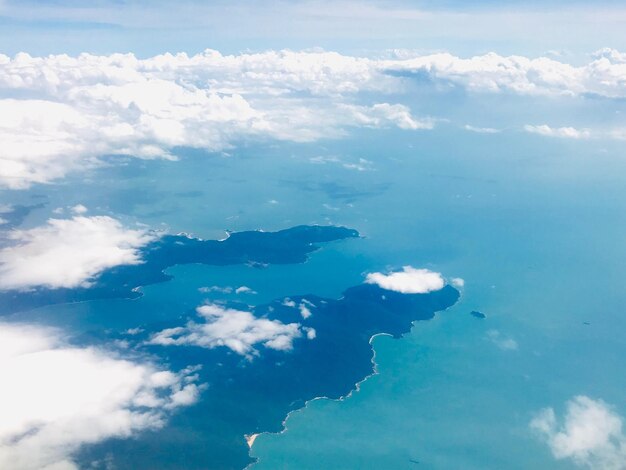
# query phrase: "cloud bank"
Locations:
[[68, 252], [408, 281], [60, 114], [590, 434], [55, 397], [604, 76], [72, 110], [238, 330]]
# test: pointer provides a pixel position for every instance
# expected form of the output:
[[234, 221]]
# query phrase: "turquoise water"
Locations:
[[534, 226], [539, 238]]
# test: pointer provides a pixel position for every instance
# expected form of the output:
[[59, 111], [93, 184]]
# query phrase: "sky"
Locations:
[[147, 28]]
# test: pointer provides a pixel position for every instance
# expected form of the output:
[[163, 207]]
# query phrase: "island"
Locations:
[[256, 248], [245, 392], [248, 395]]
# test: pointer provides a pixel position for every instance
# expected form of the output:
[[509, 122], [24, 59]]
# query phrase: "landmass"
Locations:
[[250, 438], [247, 396], [256, 248]]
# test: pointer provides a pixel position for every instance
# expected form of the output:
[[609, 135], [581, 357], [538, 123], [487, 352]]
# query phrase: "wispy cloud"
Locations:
[[501, 341], [481, 130], [563, 132]]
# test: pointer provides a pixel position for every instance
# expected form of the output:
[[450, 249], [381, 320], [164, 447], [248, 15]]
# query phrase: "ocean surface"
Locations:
[[534, 226]]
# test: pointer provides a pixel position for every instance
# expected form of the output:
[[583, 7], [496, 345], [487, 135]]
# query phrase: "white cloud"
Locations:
[[79, 209], [616, 133], [385, 115], [408, 281], [604, 76], [305, 311], [41, 141], [619, 134], [322, 160], [244, 290], [361, 165], [238, 330], [220, 289], [481, 130], [89, 106], [55, 397], [503, 342], [457, 282], [590, 434], [565, 132], [72, 110], [611, 55], [68, 252]]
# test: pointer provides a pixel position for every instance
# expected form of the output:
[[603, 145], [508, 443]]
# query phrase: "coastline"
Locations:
[[251, 438]]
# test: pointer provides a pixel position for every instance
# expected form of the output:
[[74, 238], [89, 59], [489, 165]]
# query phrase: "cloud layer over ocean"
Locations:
[[60, 113]]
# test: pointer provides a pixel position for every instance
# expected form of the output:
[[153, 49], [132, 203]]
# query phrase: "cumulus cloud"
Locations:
[[565, 132], [604, 76], [75, 109], [305, 309], [612, 55], [68, 252], [61, 113], [79, 209], [56, 397], [408, 281], [238, 330], [590, 434], [244, 290]]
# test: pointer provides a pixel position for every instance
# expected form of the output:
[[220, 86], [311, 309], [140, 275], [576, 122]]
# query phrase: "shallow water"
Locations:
[[542, 252]]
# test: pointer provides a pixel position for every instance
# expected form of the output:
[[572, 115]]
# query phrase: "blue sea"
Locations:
[[534, 226]]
